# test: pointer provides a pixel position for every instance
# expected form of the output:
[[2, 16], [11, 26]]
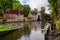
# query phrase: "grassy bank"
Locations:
[[6, 27]]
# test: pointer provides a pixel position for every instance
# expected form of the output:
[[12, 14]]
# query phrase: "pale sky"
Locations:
[[36, 4]]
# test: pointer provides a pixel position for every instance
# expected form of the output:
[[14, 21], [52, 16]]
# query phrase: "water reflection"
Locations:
[[26, 29], [12, 36], [30, 31]]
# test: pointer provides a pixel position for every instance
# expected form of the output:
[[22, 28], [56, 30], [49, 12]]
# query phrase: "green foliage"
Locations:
[[16, 5], [4, 4], [53, 14], [43, 25], [58, 3], [53, 7], [52, 1], [26, 9], [26, 29], [1, 12], [29, 17], [58, 24], [42, 11], [10, 4], [54, 4], [7, 27], [35, 10]]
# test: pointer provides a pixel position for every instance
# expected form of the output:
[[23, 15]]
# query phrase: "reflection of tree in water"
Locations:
[[26, 29], [13, 36], [43, 26], [38, 26], [30, 23]]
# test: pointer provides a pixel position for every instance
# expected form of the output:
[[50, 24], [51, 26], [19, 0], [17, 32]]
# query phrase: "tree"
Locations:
[[58, 3], [16, 5], [53, 14], [4, 5], [53, 7], [26, 10], [42, 11], [1, 12], [10, 4], [0, 9], [34, 11]]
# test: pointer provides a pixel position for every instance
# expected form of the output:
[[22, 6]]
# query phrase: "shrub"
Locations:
[[58, 24], [29, 17]]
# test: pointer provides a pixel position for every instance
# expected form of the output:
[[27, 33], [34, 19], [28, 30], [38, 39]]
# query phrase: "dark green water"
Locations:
[[28, 31]]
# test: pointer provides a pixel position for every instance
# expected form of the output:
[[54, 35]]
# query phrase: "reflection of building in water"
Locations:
[[38, 25], [34, 25]]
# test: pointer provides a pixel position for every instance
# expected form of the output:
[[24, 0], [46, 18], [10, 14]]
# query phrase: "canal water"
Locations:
[[27, 31]]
